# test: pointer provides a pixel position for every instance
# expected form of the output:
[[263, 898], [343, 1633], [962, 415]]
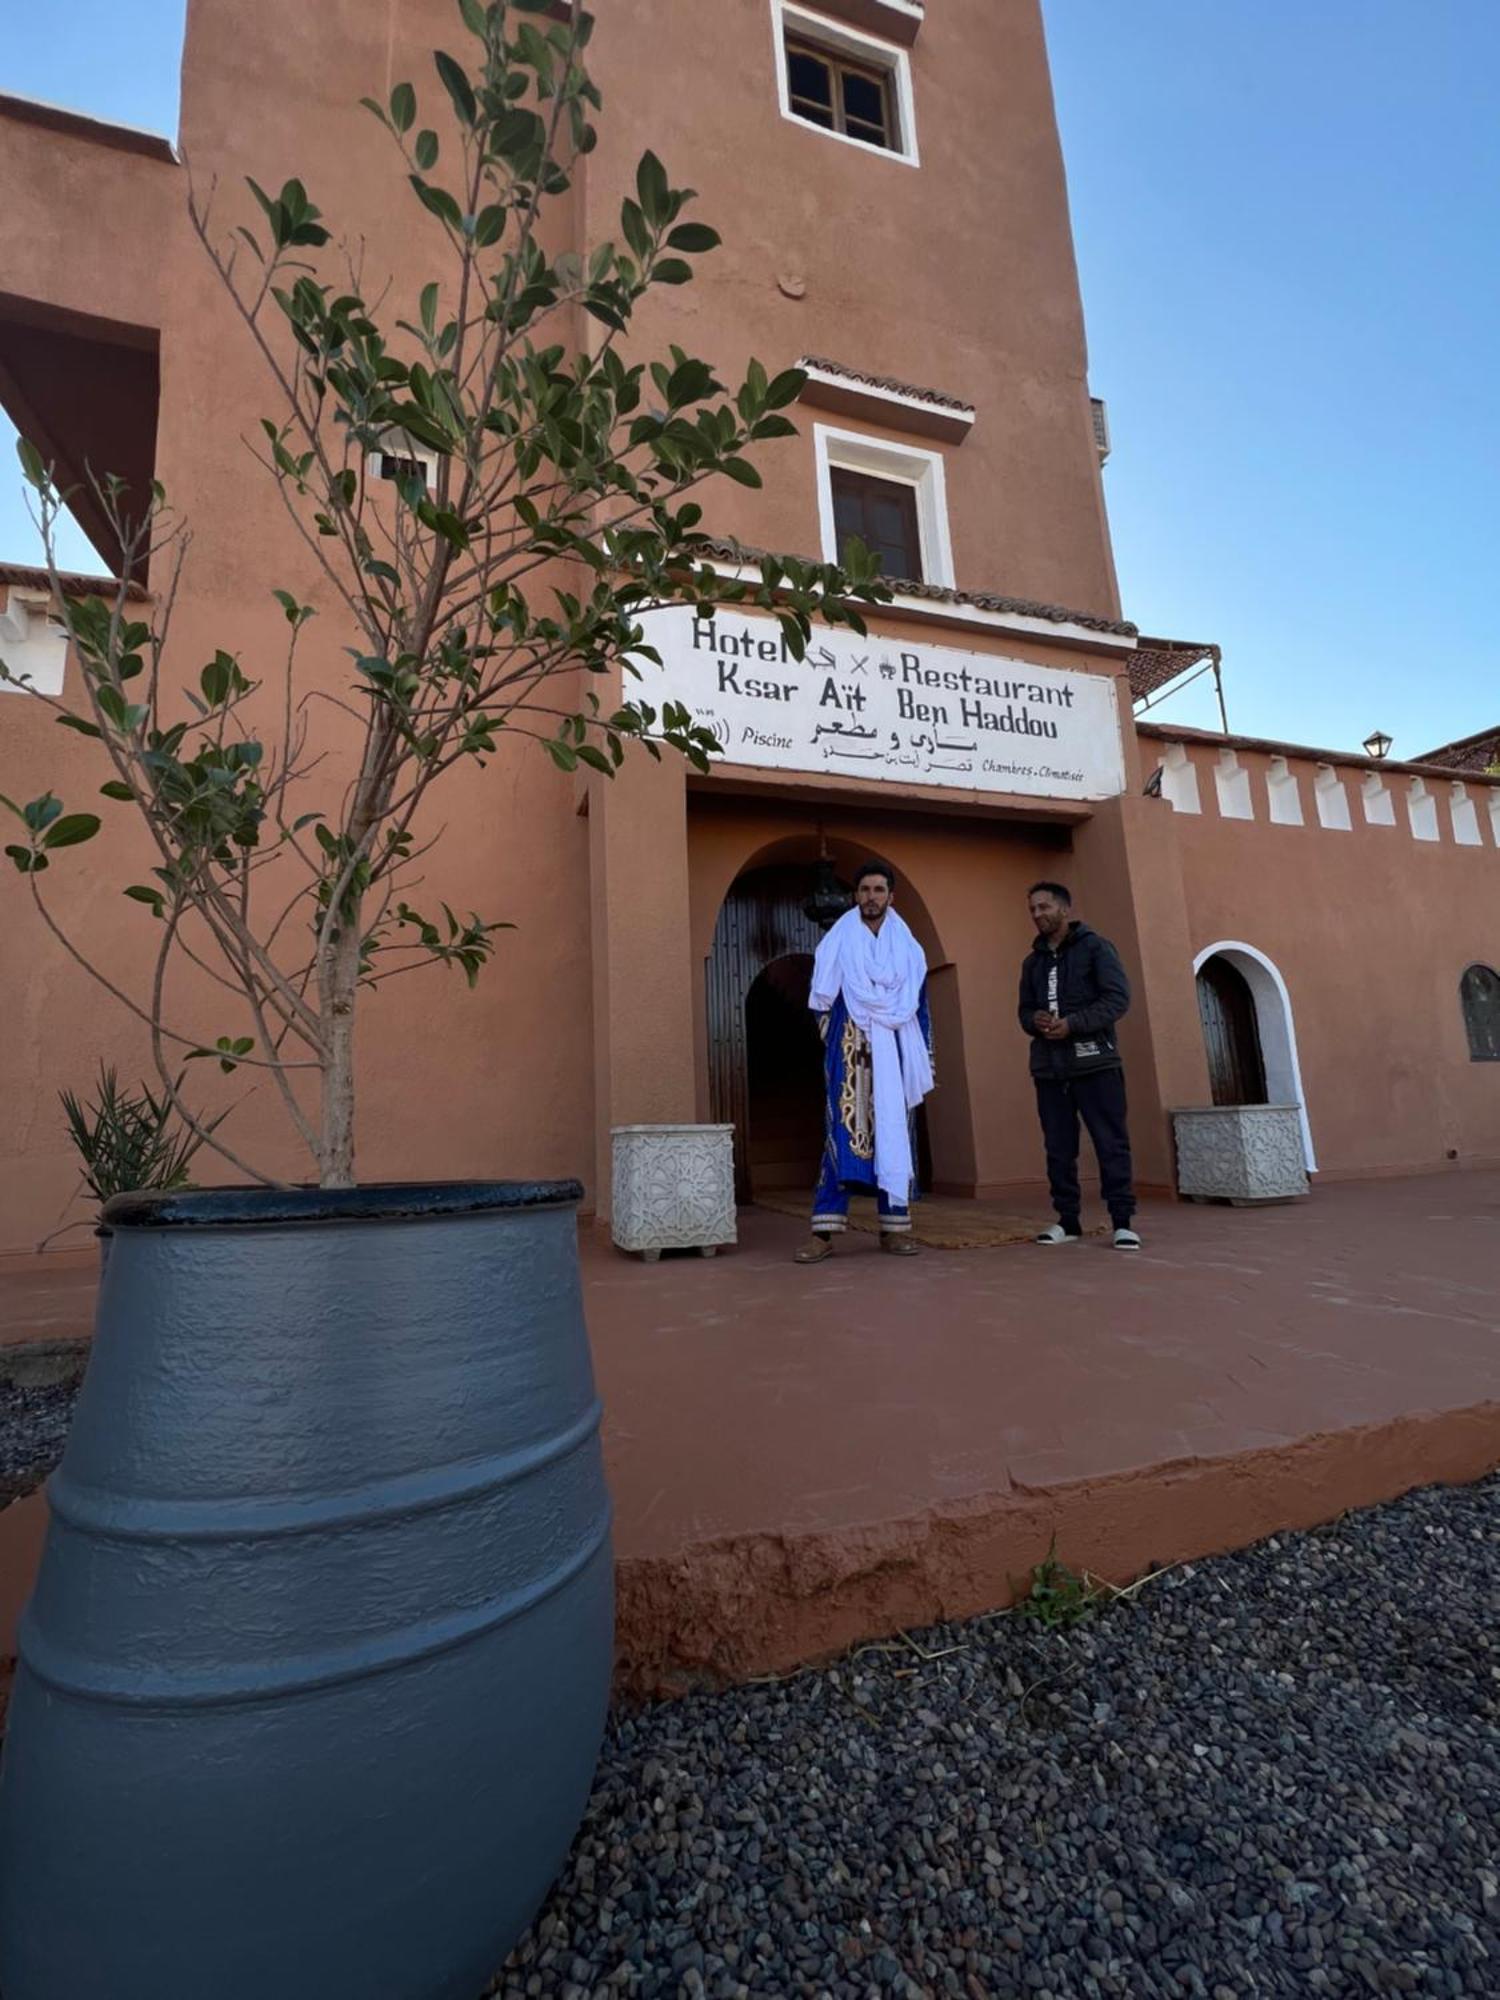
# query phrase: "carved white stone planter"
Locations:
[[673, 1188], [1240, 1152]]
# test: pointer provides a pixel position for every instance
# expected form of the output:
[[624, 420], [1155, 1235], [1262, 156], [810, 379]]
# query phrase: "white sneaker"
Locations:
[[1126, 1239], [1057, 1234]]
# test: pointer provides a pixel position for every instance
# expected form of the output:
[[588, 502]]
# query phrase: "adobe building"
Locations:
[[1325, 923]]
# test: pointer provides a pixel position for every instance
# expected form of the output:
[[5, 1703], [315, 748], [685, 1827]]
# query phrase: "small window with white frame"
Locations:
[[842, 81], [892, 496]]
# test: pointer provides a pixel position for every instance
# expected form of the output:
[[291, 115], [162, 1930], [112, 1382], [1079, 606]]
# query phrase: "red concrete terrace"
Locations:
[[804, 1457]]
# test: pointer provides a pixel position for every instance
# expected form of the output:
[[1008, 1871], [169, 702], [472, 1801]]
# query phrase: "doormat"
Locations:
[[941, 1222]]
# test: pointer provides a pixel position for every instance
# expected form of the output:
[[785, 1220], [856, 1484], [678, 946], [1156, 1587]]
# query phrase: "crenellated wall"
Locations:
[[1364, 890]]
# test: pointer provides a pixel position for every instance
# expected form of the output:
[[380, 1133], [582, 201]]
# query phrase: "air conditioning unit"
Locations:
[[1100, 413]]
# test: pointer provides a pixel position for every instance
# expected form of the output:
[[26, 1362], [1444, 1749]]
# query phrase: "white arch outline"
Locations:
[[1278, 1029]]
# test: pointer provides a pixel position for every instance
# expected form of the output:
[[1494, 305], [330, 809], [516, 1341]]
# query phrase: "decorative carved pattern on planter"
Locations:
[[1240, 1152], [673, 1187]]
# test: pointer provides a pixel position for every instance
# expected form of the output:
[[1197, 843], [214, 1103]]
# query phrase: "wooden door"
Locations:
[[762, 920], [1236, 1068]]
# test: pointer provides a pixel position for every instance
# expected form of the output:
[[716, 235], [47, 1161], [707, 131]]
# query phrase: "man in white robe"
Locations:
[[869, 990]]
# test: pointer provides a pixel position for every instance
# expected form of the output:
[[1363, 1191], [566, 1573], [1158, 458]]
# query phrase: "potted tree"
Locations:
[[313, 1679]]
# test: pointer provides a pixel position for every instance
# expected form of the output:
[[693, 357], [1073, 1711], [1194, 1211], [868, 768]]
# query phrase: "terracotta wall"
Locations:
[[959, 281], [1371, 930], [957, 275]]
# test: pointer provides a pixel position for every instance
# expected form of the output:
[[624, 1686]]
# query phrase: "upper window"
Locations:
[[1479, 995], [839, 95], [892, 496], [883, 514], [835, 77]]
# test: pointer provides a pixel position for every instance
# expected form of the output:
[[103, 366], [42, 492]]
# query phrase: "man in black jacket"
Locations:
[[1073, 990]]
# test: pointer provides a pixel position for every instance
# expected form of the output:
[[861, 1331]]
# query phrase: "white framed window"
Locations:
[[398, 456], [836, 79], [909, 515]]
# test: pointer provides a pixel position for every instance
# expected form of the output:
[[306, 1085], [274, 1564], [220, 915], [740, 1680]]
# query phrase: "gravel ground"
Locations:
[[1273, 1773], [33, 1430]]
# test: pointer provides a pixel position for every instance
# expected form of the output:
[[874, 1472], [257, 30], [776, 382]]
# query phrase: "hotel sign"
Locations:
[[878, 708]]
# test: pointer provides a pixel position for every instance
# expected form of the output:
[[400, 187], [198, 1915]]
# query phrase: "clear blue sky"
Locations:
[[1288, 219]]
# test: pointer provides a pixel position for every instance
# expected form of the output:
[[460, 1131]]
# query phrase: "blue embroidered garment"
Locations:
[[849, 1109]]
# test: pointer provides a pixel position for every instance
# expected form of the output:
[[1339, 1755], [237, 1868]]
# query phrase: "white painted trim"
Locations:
[[1283, 793], [1462, 815], [1179, 779], [1331, 800], [1232, 786], [851, 385], [839, 38], [1278, 1030], [1421, 811], [902, 464], [1064, 632], [33, 644]]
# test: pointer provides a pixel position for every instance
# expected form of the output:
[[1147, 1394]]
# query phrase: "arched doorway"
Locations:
[[1479, 996], [1226, 1006], [1260, 1055], [761, 922]]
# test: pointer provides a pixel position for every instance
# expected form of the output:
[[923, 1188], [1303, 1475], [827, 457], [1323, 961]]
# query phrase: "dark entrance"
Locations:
[[1231, 1035], [784, 1072], [762, 921]]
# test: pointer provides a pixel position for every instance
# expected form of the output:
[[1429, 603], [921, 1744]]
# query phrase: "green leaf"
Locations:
[[741, 471], [26, 861], [786, 388], [217, 679], [450, 527], [489, 225], [458, 87], [438, 201], [426, 150], [652, 190], [40, 813], [633, 227], [693, 236], [72, 830], [77, 722], [671, 271], [33, 468], [116, 789], [153, 897], [403, 107], [296, 614]]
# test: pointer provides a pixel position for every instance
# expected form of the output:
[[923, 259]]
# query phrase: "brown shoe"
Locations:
[[899, 1244], [814, 1250]]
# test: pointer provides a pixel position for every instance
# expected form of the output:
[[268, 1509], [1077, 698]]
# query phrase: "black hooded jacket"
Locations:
[[1092, 993]]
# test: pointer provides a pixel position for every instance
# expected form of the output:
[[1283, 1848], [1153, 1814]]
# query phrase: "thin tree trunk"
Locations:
[[338, 978]]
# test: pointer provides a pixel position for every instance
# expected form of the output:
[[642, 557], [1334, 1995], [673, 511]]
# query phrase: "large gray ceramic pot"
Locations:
[[312, 1683]]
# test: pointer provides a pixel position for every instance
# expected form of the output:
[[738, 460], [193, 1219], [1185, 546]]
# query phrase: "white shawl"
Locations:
[[880, 975]]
